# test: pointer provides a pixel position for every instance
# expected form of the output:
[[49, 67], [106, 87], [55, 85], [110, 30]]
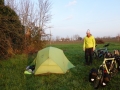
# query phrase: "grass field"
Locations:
[[12, 75]]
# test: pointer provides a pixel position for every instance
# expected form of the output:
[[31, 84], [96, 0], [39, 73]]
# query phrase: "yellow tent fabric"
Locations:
[[51, 60]]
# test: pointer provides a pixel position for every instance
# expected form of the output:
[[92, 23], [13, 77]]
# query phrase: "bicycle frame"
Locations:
[[98, 53], [112, 61], [109, 66]]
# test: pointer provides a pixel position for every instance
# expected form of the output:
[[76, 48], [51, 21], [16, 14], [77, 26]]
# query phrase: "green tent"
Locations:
[[51, 60]]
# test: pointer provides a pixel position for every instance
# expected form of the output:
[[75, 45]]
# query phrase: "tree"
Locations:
[[35, 19], [118, 37], [1, 2], [75, 37]]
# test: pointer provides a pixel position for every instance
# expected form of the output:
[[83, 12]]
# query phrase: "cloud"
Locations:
[[69, 17], [71, 3]]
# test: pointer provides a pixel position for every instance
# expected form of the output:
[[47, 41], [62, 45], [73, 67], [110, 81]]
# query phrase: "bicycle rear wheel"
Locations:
[[94, 55], [114, 70]]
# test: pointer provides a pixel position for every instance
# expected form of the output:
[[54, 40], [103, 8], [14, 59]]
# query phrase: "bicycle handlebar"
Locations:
[[106, 45]]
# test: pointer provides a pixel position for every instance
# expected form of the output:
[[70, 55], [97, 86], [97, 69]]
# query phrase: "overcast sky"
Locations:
[[71, 17]]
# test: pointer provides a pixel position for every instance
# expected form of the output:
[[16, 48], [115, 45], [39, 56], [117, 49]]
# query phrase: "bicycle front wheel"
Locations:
[[97, 83], [98, 80]]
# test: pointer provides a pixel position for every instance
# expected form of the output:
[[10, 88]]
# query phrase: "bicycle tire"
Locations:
[[105, 55], [114, 70], [94, 55], [96, 83], [98, 79], [116, 64], [100, 54], [117, 60]]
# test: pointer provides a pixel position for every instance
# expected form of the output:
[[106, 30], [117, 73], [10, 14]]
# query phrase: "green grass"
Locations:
[[12, 75]]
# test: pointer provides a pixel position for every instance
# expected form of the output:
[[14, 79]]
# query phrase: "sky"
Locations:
[[75, 17]]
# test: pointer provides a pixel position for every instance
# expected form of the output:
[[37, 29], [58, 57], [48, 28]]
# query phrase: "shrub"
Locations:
[[11, 32], [99, 41]]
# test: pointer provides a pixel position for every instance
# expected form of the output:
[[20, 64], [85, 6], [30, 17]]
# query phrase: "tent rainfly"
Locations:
[[51, 60]]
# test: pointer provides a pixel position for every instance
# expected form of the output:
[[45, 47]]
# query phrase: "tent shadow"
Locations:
[[30, 78], [31, 57]]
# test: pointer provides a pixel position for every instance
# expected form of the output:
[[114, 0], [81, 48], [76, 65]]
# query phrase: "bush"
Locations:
[[99, 41], [11, 32]]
